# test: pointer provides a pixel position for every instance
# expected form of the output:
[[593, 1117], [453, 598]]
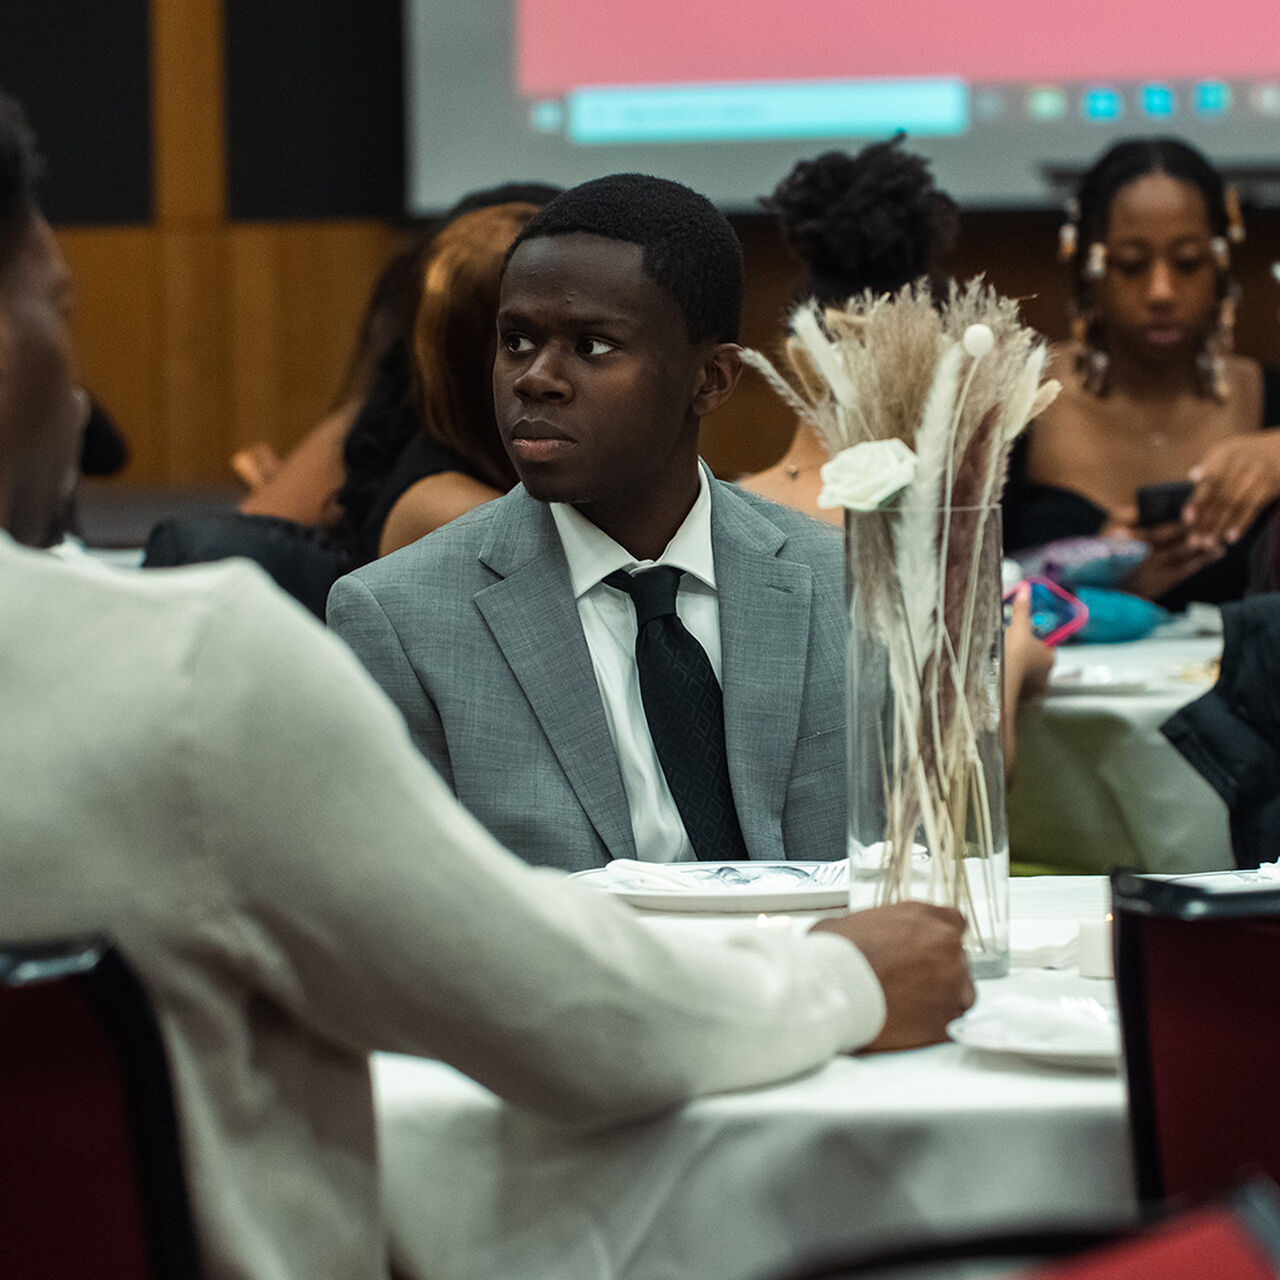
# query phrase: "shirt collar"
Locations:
[[592, 554]]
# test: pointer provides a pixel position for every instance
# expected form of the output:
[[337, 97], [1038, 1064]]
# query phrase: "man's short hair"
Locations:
[[688, 247], [19, 171]]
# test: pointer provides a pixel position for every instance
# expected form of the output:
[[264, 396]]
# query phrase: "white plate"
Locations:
[[725, 886], [1071, 1031], [1098, 679]]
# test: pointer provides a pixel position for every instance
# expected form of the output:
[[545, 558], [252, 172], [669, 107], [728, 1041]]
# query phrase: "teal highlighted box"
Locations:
[[753, 112]]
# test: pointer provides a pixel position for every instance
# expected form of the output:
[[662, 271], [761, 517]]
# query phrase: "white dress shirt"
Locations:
[[609, 624]]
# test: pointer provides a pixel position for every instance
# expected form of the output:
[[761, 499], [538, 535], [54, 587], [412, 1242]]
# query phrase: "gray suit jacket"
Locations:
[[474, 633]]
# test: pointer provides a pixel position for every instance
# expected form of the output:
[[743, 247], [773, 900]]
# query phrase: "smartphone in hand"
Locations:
[[1162, 503]]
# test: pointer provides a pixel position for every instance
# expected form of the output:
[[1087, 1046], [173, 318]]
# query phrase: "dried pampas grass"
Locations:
[[956, 382]]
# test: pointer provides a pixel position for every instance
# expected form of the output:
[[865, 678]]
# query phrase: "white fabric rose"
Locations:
[[866, 476]]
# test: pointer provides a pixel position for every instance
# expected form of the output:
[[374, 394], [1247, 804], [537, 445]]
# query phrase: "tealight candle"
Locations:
[[1095, 948]]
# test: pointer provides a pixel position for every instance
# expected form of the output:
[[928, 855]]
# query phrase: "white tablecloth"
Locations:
[[1097, 785], [734, 1187]]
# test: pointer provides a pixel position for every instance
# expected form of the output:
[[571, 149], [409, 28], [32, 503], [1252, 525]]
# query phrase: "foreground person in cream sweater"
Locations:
[[188, 762]]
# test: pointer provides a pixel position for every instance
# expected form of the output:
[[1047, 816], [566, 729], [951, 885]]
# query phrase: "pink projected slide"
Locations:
[[566, 44]]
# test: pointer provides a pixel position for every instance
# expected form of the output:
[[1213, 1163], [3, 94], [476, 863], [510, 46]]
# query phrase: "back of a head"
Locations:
[[19, 173], [871, 221], [454, 335], [688, 247]]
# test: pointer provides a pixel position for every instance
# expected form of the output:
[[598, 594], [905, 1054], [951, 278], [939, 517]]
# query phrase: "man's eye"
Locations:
[[517, 344], [1189, 265], [594, 347]]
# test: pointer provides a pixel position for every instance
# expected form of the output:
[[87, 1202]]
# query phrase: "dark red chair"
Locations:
[[1237, 1239], [91, 1176], [1198, 982]]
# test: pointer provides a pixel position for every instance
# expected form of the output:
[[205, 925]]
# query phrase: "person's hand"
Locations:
[[256, 465], [1027, 660], [1177, 551], [1027, 663], [1234, 481], [917, 953]]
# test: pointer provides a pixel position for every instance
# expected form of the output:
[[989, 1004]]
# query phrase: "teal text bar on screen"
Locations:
[[784, 109]]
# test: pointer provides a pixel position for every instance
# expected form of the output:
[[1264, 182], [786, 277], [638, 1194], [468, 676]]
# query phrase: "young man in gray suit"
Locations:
[[508, 639]]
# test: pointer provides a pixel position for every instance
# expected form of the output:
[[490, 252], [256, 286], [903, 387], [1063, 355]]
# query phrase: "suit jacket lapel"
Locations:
[[765, 605], [533, 618]]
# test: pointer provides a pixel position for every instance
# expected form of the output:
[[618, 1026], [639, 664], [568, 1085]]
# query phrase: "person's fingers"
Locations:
[[1164, 536], [1243, 510]]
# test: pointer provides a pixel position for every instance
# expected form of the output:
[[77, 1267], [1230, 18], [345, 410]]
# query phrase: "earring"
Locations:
[[1211, 363], [1091, 362], [1095, 371], [1235, 219]]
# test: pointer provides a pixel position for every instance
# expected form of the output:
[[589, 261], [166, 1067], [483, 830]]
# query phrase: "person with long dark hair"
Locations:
[[420, 449]]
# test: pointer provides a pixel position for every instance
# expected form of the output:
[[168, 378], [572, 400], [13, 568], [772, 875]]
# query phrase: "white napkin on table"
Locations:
[[1044, 944]]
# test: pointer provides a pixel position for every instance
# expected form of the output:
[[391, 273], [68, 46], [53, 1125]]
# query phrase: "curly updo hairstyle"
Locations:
[[871, 221]]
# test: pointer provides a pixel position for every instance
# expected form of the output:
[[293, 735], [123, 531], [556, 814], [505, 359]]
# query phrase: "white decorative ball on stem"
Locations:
[[978, 340]]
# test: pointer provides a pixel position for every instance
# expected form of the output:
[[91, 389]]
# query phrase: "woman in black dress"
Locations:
[[1152, 392]]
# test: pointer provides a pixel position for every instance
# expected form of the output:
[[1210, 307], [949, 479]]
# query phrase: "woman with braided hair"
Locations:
[[1152, 393]]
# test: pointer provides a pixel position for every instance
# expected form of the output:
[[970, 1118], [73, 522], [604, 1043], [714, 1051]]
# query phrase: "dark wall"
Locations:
[[315, 108], [82, 69]]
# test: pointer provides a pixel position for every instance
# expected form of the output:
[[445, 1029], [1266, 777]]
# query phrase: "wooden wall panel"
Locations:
[[187, 130], [117, 327], [193, 353], [297, 292]]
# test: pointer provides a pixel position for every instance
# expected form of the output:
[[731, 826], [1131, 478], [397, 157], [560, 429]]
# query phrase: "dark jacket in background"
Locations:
[[1231, 735]]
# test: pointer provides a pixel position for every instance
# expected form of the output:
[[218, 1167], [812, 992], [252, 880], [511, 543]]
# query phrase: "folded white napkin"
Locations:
[[1044, 944], [1081, 1022], [631, 873]]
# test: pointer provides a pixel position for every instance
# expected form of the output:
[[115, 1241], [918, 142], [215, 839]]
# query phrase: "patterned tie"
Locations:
[[685, 711]]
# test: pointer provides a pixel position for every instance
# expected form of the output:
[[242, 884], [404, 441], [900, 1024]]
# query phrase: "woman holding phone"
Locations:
[[1158, 433]]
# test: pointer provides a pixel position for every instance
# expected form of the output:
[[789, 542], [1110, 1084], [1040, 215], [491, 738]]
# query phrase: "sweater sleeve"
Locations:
[[377, 911]]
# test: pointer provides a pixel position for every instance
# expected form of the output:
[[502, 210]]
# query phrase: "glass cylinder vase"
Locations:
[[926, 768]]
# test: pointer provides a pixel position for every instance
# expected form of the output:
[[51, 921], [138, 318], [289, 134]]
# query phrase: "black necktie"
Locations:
[[685, 711]]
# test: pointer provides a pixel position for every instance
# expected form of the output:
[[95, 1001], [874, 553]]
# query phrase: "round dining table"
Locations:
[[871, 1148], [1096, 784]]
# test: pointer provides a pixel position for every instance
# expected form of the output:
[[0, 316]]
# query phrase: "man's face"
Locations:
[[597, 388], [42, 412]]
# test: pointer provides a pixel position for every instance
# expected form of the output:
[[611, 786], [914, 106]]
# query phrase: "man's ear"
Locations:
[[718, 376]]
